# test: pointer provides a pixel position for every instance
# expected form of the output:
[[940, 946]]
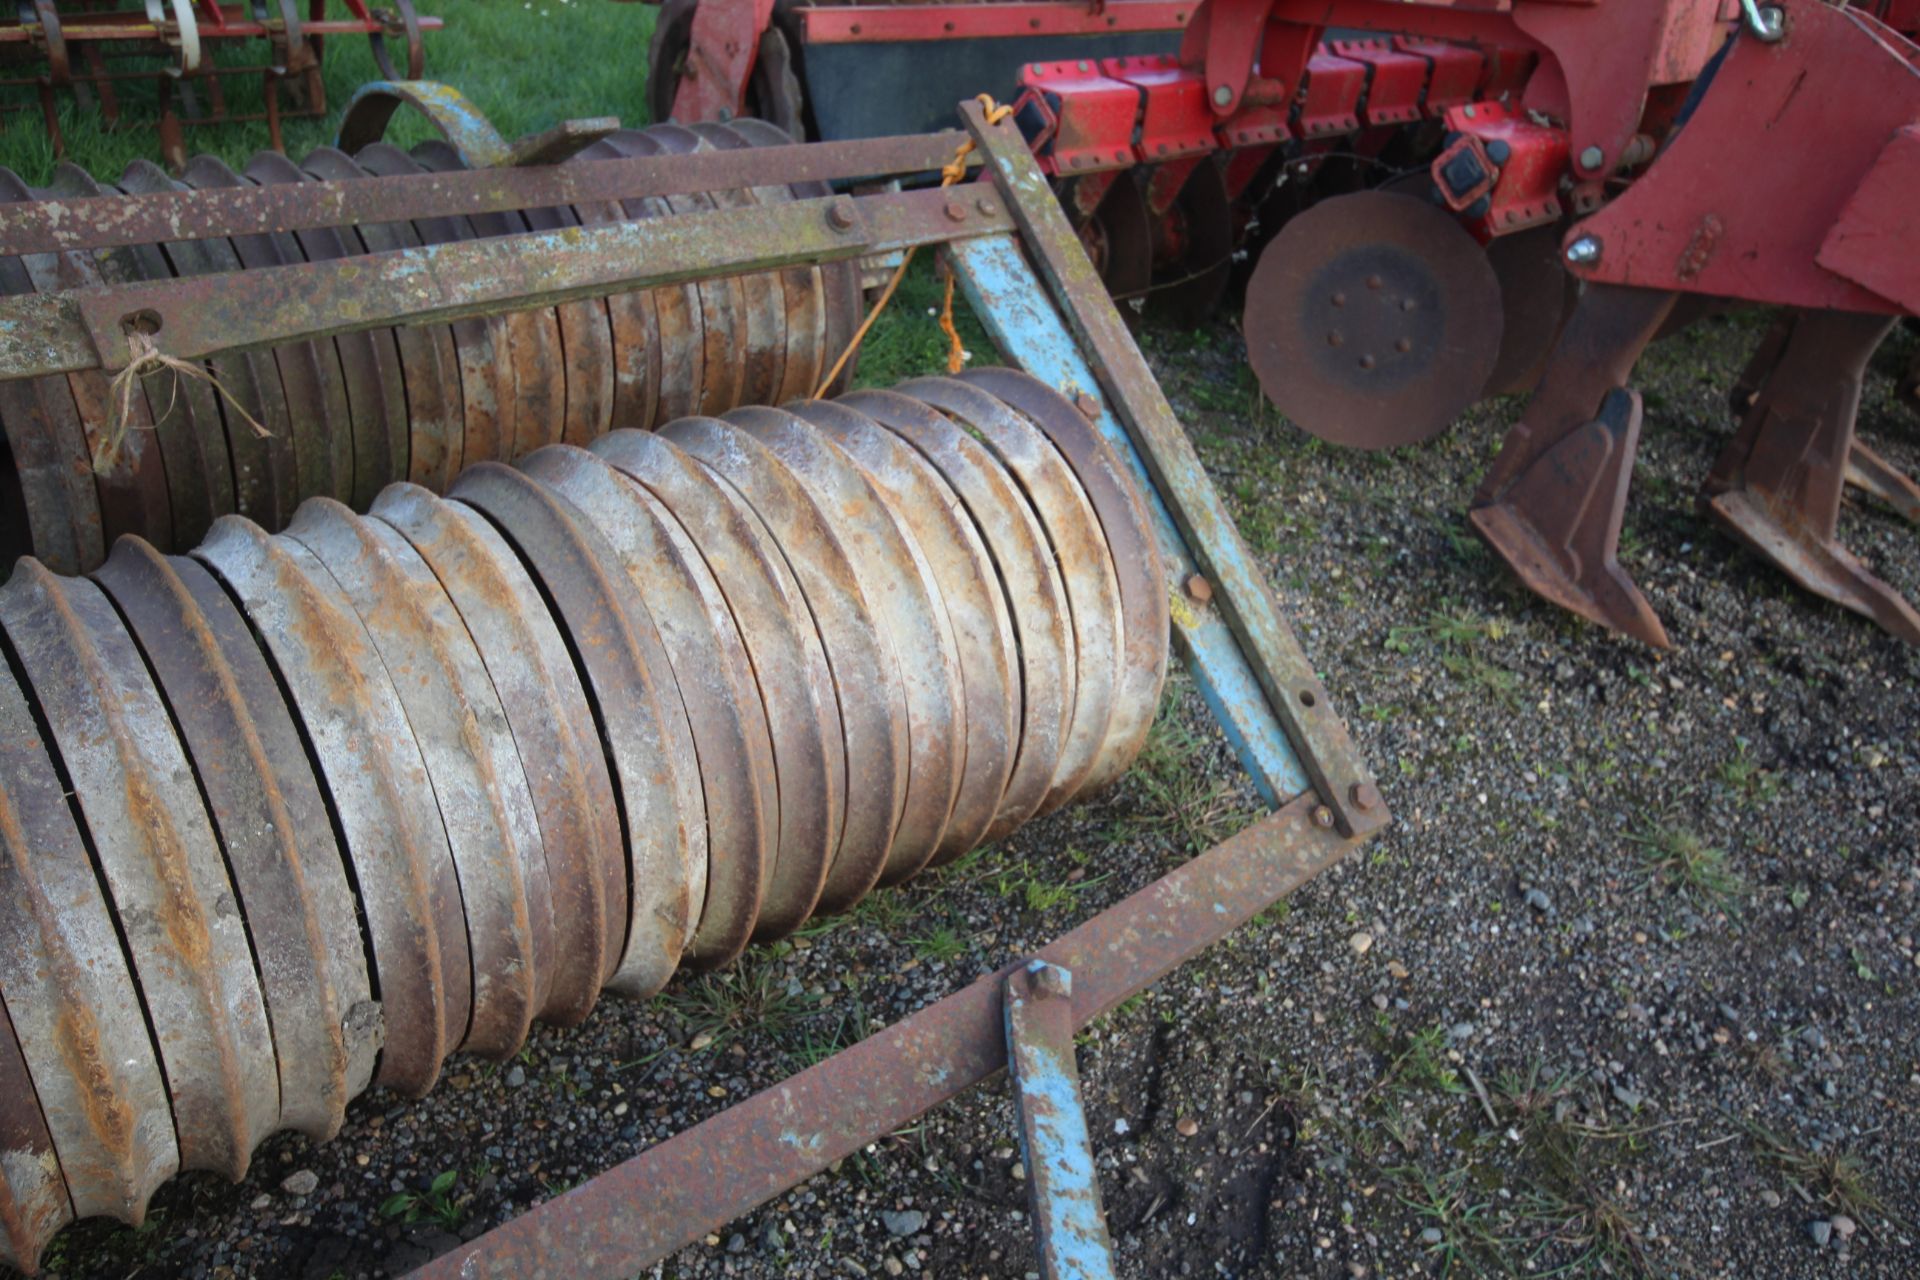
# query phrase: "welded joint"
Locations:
[[1063, 1187]]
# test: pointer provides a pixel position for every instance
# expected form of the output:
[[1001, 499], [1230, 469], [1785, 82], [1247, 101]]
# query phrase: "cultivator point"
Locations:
[[320, 776]]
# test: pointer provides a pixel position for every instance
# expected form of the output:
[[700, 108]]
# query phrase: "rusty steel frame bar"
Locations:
[[86, 328], [670, 1195], [1293, 690], [51, 226]]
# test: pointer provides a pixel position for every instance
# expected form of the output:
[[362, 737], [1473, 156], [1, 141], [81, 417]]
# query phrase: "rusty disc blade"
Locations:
[[586, 338], [75, 1011], [1118, 238], [905, 601], [1026, 571], [1086, 566], [264, 479], [807, 356], [789, 662], [1193, 247], [636, 705], [429, 365], [636, 355], [966, 591], [478, 785], [1536, 295], [33, 1195], [316, 396], [377, 782], [132, 494], [156, 851], [715, 681], [552, 729], [186, 421], [59, 507], [1373, 320], [272, 823], [864, 674], [1116, 499], [480, 343], [765, 291], [369, 359]]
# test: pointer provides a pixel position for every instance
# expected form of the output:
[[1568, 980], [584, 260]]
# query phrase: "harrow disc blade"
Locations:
[[1373, 320], [1536, 294], [1193, 247], [1118, 237]]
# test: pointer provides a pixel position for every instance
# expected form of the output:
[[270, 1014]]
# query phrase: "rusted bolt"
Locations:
[[1323, 817], [1087, 405], [986, 207], [1364, 796], [1199, 588], [1050, 981], [840, 215], [956, 212]]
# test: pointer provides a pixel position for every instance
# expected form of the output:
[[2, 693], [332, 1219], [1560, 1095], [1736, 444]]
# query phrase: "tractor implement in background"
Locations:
[[631, 703], [94, 52]]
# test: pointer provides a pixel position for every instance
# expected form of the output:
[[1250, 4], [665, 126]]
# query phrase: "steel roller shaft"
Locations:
[[297, 814], [345, 416]]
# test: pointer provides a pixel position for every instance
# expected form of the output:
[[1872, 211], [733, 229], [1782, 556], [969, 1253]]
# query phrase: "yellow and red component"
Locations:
[[1528, 161]]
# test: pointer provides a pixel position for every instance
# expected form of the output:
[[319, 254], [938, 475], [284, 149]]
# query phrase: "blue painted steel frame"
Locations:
[[1012, 302]]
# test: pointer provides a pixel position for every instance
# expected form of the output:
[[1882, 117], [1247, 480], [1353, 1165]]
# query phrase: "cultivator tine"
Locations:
[[1777, 485], [1872, 474], [1552, 503]]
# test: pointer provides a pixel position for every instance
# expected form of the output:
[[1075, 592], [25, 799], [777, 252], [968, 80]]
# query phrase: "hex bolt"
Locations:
[[840, 215], [1584, 252], [1768, 22], [956, 212], [1199, 588], [1222, 95], [1592, 158], [985, 206], [1323, 817], [1087, 405], [1050, 981], [1364, 796]]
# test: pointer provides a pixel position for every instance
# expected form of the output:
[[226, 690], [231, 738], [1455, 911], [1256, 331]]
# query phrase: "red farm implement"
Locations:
[[1441, 202]]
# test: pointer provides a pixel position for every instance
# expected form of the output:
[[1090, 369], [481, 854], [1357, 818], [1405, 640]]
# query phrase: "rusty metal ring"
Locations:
[[33, 1195], [369, 362], [805, 286], [1035, 596], [635, 700], [551, 724], [480, 342], [534, 400], [1129, 534], [74, 1006], [479, 788], [905, 602], [789, 662], [586, 339], [720, 321], [635, 326], [872, 702], [133, 494], [1086, 566], [187, 430], [315, 398], [156, 851], [765, 291], [717, 689], [272, 822], [377, 783], [429, 365], [976, 610], [264, 478]]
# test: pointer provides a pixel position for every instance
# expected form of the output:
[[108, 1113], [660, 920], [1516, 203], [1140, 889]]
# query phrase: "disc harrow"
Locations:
[[346, 415], [565, 728]]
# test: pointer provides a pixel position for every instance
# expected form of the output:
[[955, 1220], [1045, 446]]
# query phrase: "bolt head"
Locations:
[[1323, 817], [840, 215], [1584, 252], [1222, 95], [1199, 588], [956, 211], [1592, 158], [1087, 405], [1363, 795]]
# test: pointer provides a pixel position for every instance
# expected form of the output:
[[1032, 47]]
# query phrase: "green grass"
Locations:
[[527, 67], [1680, 860]]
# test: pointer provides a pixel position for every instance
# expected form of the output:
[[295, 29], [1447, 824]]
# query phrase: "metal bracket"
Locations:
[[1069, 1227]]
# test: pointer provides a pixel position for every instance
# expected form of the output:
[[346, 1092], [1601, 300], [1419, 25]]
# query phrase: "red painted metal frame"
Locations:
[[874, 24], [1396, 81], [1871, 243]]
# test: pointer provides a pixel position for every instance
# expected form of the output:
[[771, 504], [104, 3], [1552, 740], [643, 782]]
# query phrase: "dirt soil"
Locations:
[[1629, 987]]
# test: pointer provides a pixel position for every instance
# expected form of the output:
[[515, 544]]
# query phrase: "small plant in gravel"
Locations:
[[751, 995], [435, 1204], [939, 944], [1459, 1232], [1196, 807], [1837, 1179], [1743, 775], [1681, 861]]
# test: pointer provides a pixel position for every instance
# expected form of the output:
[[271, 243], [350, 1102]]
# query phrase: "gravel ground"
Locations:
[[1628, 988]]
